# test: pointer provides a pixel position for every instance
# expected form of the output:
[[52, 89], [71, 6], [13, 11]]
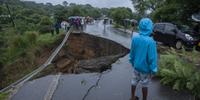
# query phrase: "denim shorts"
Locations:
[[143, 79]]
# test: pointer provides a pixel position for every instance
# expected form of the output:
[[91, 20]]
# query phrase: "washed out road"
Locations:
[[114, 84]]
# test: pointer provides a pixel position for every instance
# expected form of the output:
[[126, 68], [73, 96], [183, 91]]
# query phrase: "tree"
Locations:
[[72, 4], [65, 3], [9, 12], [178, 11], [142, 6], [45, 25], [105, 11], [76, 11], [118, 14], [49, 4]]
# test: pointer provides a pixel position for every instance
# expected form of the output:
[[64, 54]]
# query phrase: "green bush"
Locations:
[[45, 25], [45, 29], [178, 70], [31, 37], [16, 48], [21, 26], [17, 45], [19, 42], [3, 96], [18, 57], [47, 39], [45, 21], [117, 26]]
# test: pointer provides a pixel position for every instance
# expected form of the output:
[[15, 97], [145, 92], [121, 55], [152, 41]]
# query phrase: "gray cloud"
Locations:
[[96, 3]]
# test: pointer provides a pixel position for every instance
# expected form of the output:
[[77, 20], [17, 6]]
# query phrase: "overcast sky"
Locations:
[[95, 3]]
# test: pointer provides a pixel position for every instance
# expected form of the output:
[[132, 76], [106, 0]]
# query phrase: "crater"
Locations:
[[84, 53]]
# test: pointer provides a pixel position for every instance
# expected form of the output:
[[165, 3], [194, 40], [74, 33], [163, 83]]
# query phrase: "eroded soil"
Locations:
[[84, 53]]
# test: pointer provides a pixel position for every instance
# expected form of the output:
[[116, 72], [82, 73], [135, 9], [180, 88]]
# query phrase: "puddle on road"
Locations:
[[84, 53]]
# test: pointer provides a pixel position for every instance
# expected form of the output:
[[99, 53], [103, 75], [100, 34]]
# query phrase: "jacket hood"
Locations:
[[146, 27]]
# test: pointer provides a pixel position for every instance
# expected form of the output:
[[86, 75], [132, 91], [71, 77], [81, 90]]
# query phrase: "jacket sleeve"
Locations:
[[152, 57], [131, 56]]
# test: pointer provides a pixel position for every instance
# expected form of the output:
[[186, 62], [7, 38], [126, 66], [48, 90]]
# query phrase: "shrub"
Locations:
[[117, 26], [45, 29], [17, 45], [45, 25], [178, 70], [45, 21], [3, 96], [31, 37]]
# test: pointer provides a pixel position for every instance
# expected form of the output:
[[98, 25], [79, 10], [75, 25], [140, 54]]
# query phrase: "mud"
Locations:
[[84, 53]]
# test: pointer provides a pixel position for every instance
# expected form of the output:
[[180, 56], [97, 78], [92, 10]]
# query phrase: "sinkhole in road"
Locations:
[[84, 53]]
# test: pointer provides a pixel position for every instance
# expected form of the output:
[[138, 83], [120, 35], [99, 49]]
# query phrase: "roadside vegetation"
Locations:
[[175, 11], [181, 71], [25, 34], [178, 12], [20, 57], [3, 96]]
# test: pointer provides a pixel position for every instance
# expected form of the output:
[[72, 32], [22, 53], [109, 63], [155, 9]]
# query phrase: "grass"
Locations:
[[46, 39], [3, 96], [19, 58]]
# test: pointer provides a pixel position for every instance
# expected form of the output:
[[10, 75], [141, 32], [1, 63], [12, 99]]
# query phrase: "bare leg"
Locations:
[[133, 92], [145, 93]]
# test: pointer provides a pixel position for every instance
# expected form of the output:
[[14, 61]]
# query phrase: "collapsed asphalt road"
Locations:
[[84, 53], [113, 84]]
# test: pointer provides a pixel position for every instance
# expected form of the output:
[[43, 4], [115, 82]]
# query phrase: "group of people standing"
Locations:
[[77, 22]]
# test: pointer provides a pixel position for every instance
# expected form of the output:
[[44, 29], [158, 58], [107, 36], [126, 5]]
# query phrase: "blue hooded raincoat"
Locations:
[[143, 54]]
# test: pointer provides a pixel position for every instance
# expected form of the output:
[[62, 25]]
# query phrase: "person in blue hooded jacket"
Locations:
[[143, 57]]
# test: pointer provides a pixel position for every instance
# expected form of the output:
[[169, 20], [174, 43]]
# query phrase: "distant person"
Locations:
[[104, 21], [57, 27], [143, 57], [65, 25], [82, 23], [104, 24], [133, 29], [111, 22], [125, 25], [77, 23], [197, 28], [52, 29], [133, 25], [68, 25]]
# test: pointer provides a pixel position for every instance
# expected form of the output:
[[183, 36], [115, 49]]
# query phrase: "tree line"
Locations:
[[176, 11]]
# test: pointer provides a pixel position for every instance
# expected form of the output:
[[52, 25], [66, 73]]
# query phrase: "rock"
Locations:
[[63, 63], [98, 64]]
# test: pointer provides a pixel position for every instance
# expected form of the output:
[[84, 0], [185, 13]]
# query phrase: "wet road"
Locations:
[[109, 32], [113, 84], [156, 90]]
